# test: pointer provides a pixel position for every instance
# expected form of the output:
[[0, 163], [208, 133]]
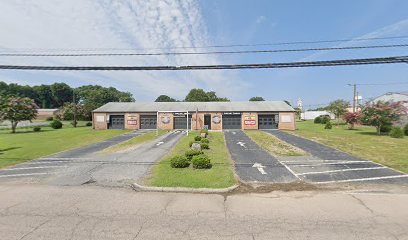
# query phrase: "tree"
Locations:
[[199, 95], [256, 99], [17, 109], [338, 108], [165, 98], [382, 113], [298, 113], [351, 119], [67, 112], [61, 93]]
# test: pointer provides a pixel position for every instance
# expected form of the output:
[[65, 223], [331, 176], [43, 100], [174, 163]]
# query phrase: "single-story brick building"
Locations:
[[43, 113], [210, 115]]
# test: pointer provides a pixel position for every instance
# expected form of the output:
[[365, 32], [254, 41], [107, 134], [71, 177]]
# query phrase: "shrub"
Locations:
[[205, 146], [386, 128], [204, 131], [406, 129], [56, 124], [325, 119], [49, 119], [396, 132], [191, 153], [201, 162], [179, 162], [328, 125], [88, 124], [205, 140], [36, 129], [318, 120], [197, 138]]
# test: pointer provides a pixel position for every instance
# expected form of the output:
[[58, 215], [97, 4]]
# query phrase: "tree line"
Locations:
[[199, 95]]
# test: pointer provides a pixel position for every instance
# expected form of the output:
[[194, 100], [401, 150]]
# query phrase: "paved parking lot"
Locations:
[[328, 165], [88, 165]]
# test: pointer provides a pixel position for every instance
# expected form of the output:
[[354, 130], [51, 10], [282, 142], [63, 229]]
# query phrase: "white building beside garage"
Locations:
[[396, 97], [195, 115]]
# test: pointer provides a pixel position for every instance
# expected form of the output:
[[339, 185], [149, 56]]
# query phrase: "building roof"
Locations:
[[262, 106]]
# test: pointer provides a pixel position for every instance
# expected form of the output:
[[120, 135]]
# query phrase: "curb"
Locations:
[[141, 188]]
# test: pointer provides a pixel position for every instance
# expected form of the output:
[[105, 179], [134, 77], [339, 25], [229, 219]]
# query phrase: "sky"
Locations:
[[107, 26]]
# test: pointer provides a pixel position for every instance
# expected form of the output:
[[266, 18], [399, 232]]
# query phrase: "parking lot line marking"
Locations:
[[341, 170], [27, 168], [363, 179], [23, 174], [290, 170], [317, 164]]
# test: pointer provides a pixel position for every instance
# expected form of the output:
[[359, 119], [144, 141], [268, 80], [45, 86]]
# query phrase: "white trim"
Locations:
[[362, 179], [342, 170]]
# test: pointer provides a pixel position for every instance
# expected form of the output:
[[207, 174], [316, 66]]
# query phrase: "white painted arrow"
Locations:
[[159, 143], [260, 168], [242, 144]]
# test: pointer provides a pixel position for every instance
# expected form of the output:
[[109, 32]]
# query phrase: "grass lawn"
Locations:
[[26, 145], [219, 176], [362, 142], [273, 145], [134, 141]]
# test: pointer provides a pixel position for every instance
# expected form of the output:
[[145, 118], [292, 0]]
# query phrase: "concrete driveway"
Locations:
[[89, 166]]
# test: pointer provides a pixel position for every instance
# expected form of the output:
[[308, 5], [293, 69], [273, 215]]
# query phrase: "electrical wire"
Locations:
[[345, 62], [198, 53]]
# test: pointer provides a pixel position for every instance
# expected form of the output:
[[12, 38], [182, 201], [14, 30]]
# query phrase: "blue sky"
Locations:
[[59, 24]]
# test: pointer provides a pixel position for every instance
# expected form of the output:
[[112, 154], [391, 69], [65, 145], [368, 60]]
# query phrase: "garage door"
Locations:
[[148, 121], [116, 122], [266, 122], [231, 121], [181, 122]]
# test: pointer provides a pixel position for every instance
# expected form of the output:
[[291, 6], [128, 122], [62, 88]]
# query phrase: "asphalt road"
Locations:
[[328, 165], [252, 164], [93, 167], [31, 212]]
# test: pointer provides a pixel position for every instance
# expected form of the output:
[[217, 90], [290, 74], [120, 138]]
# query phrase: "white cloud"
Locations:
[[260, 19], [115, 24]]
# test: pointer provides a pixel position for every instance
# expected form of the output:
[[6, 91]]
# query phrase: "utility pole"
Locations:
[[74, 102], [354, 95]]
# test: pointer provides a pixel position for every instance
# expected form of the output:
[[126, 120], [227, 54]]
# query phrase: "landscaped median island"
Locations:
[[131, 143], [273, 145], [362, 141], [197, 172], [26, 144]]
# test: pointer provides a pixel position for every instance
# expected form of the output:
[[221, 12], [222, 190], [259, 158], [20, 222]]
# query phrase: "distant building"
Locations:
[[44, 113], [310, 115]]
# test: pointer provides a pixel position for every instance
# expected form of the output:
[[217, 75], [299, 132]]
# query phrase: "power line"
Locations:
[[381, 84], [214, 46], [364, 61], [198, 53]]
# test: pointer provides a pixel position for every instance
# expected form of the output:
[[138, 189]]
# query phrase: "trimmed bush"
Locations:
[[318, 120], [88, 124], [197, 138], [328, 125], [325, 119], [204, 131], [205, 140], [201, 162], [36, 129], [49, 119], [205, 146], [191, 153], [179, 162], [56, 124], [406, 129], [396, 132]]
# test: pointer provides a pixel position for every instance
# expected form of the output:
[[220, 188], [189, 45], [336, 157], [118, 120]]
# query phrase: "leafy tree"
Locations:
[[67, 112], [44, 96], [298, 113], [351, 119], [338, 108], [199, 95], [256, 99], [165, 98], [17, 109], [61, 93], [382, 113]]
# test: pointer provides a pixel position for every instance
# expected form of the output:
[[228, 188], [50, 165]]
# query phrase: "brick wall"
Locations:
[[287, 121], [99, 121], [165, 121], [132, 121], [249, 120]]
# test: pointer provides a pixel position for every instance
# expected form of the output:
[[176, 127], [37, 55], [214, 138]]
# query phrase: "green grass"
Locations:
[[219, 176], [134, 141], [362, 142], [273, 145], [25, 145]]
